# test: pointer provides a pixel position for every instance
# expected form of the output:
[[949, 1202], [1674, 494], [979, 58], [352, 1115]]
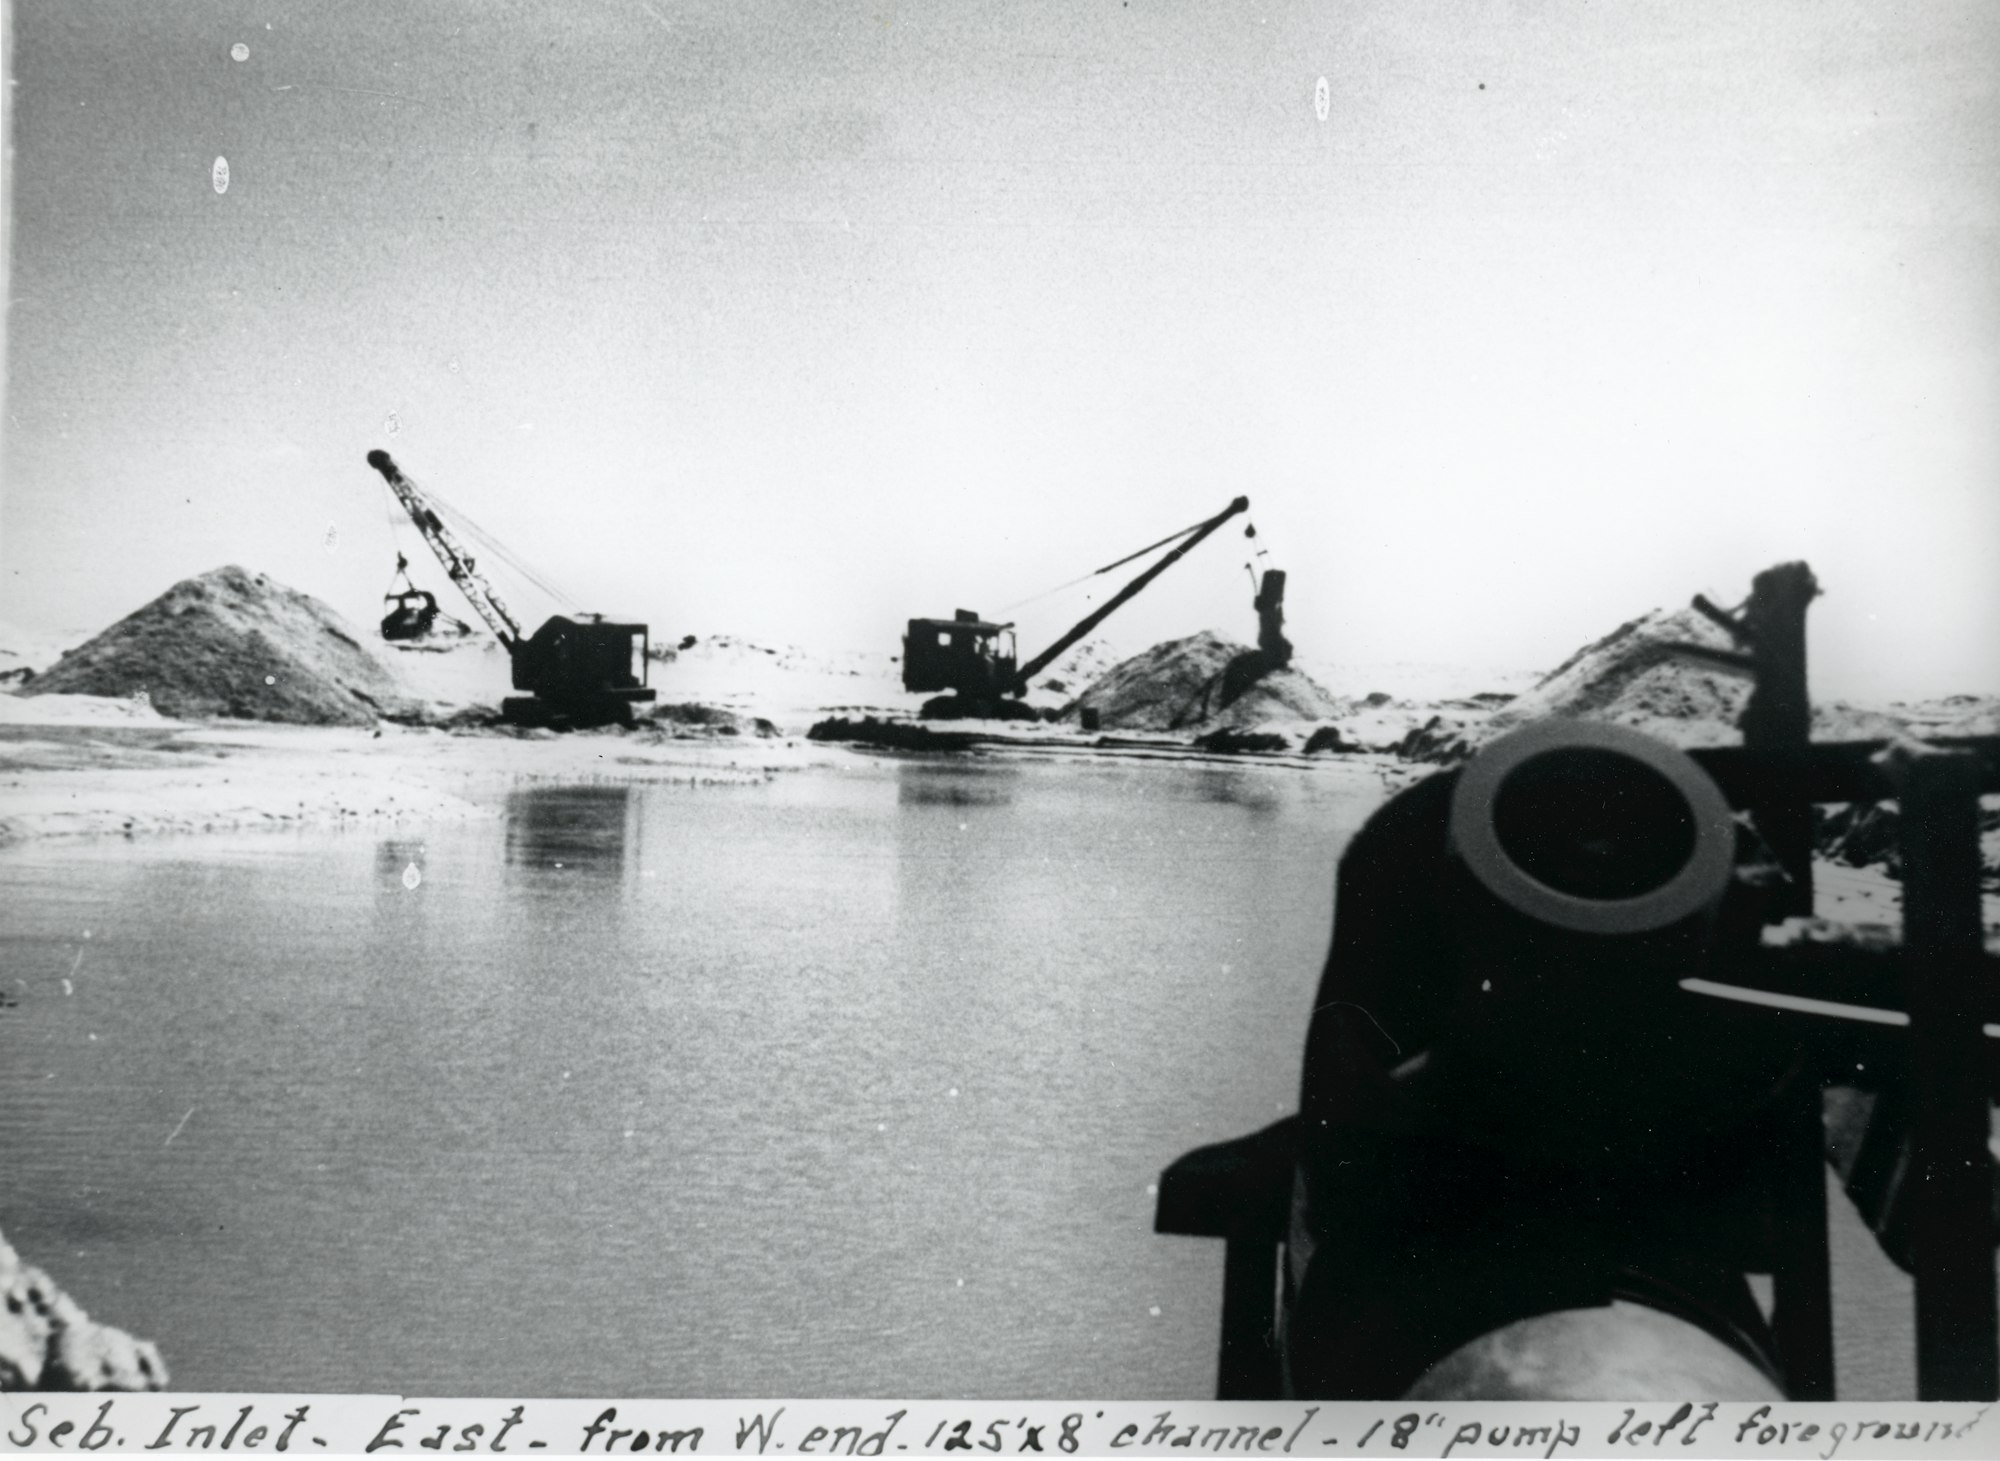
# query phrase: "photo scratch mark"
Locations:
[[1349, 1004], [177, 1128], [355, 91]]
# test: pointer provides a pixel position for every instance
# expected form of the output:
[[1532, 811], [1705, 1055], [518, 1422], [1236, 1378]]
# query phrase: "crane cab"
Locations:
[[964, 653], [587, 671]]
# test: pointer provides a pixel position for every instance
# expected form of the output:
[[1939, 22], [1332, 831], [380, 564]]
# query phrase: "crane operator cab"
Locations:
[[581, 672], [1510, 1114], [963, 655]]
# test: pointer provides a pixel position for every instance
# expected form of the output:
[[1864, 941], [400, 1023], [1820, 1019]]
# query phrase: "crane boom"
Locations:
[[1194, 535], [456, 561]]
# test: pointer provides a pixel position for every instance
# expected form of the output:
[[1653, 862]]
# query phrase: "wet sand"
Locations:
[[67, 780]]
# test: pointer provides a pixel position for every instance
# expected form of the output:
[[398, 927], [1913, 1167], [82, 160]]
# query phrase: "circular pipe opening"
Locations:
[[1593, 823], [1593, 827]]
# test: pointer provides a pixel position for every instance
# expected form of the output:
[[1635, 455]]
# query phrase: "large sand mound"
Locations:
[[1178, 686], [1631, 678], [236, 644]]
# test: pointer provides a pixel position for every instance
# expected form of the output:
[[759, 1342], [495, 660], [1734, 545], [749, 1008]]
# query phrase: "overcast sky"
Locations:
[[796, 321]]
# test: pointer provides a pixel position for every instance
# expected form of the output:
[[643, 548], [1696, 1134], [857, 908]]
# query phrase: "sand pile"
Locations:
[[1629, 677], [1178, 686], [1078, 668], [788, 684], [47, 1342], [734, 651], [1954, 715], [232, 643]]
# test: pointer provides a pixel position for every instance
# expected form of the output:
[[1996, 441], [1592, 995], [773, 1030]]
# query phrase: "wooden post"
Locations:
[[1951, 1224], [1779, 718], [1248, 1366], [1239, 1191], [1802, 1279], [1779, 715]]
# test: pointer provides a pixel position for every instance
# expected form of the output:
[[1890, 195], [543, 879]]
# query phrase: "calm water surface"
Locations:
[[851, 1083]]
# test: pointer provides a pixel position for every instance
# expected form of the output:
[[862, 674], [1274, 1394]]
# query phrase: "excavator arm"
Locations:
[[456, 561]]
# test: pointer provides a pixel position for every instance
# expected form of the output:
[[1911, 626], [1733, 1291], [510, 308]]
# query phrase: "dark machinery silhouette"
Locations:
[[1580, 1043], [575, 671], [973, 660], [413, 614], [1273, 651]]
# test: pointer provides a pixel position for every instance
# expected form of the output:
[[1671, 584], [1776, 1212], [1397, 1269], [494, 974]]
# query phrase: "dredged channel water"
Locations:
[[850, 1083]]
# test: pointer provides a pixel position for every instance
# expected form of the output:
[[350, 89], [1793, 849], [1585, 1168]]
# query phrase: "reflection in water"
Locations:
[[1251, 790], [396, 855], [586, 829], [958, 784], [399, 865]]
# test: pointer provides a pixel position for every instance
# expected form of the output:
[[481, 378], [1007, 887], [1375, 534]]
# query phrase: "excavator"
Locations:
[[576, 672], [973, 660]]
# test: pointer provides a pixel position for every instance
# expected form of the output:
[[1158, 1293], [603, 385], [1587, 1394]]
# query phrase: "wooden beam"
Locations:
[[1248, 1366], [1802, 1276], [1779, 714], [1951, 1222]]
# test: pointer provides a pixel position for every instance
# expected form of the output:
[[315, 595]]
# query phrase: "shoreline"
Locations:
[[68, 780], [87, 766]]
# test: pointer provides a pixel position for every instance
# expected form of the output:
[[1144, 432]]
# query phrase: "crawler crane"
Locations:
[[974, 659], [575, 672]]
